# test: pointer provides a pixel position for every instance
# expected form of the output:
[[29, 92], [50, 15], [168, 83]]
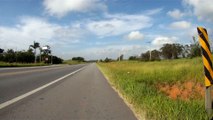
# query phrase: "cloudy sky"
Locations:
[[96, 29]]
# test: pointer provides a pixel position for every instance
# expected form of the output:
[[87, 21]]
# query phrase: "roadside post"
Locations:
[[207, 62]]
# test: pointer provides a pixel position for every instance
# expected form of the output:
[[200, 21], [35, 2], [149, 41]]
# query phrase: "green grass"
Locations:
[[4, 64], [137, 82], [71, 62]]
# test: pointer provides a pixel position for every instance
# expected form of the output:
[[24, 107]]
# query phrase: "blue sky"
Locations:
[[96, 29]]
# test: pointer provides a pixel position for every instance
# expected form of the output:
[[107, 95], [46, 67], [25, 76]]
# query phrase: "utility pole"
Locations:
[[40, 53], [150, 52], [16, 54], [119, 57], [51, 57], [35, 52]]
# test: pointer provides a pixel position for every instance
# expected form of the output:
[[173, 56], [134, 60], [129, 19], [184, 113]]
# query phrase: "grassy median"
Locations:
[[4, 64], [170, 89]]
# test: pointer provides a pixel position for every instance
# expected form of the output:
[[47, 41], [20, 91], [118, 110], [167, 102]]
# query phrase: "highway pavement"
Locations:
[[77, 92]]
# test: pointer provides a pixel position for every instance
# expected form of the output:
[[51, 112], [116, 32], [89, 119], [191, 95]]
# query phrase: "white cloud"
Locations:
[[135, 35], [35, 29], [159, 41], [118, 24], [203, 9], [153, 11], [176, 14], [60, 8], [180, 25]]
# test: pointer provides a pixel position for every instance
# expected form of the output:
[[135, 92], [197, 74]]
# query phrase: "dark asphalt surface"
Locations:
[[85, 95], [14, 82]]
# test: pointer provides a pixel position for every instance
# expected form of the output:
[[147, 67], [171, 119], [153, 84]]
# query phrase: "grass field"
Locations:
[[4, 64], [163, 90]]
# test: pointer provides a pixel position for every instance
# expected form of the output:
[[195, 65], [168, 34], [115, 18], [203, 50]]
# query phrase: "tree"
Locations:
[[25, 56], [155, 55], [107, 59], [56, 60], [30, 56], [145, 56], [47, 56], [120, 58], [46, 50], [1, 51], [133, 58], [177, 50], [171, 51], [1, 54], [186, 51], [35, 46], [151, 55], [80, 59], [195, 48], [10, 56], [166, 51]]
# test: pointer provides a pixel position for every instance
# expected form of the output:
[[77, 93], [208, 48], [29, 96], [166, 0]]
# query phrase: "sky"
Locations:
[[96, 29]]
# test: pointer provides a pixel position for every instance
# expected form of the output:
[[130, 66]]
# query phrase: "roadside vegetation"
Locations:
[[161, 84], [12, 58], [6, 64], [73, 62], [23, 58], [167, 89], [167, 51]]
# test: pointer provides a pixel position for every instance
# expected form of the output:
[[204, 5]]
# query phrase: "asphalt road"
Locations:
[[81, 93]]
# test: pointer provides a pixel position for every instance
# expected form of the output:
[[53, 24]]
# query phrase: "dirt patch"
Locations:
[[184, 91]]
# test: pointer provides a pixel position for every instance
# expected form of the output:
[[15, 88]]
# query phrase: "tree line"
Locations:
[[167, 51], [170, 51], [29, 56], [79, 59]]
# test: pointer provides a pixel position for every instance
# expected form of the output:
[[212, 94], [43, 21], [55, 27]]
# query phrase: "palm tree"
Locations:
[[35, 46]]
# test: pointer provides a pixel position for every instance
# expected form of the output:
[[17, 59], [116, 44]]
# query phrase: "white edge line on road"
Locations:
[[7, 103]]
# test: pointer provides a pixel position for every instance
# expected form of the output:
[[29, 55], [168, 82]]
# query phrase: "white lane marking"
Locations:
[[7, 103]]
